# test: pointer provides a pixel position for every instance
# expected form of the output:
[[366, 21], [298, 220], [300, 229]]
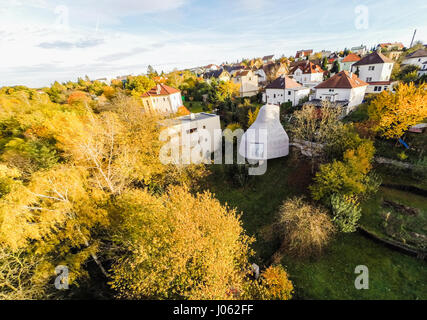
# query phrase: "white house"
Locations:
[[162, 99], [219, 75], [285, 89], [265, 139], [419, 59], [193, 137], [308, 74], [248, 82], [374, 68], [360, 50], [344, 88]]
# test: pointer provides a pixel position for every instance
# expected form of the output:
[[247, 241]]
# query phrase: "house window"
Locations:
[[191, 130], [371, 68], [274, 96], [331, 90], [369, 79], [289, 93], [204, 127]]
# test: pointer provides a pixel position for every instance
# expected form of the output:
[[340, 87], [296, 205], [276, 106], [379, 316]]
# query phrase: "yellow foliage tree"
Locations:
[[394, 112], [178, 246]]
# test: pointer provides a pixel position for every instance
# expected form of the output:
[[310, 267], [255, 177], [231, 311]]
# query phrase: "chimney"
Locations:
[[158, 89]]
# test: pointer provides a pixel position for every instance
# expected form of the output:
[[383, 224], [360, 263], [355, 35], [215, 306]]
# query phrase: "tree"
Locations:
[[252, 116], [348, 177], [335, 67], [273, 284], [394, 112], [226, 91], [78, 96], [178, 246], [305, 229], [139, 84], [317, 128]]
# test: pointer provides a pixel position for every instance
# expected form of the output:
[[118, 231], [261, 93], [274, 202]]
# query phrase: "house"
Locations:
[[271, 71], [162, 99], [419, 59], [325, 54], [265, 139], [348, 61], [219, 75], [360, 50], [233, 69], [375, 69], [267, 59], [196, 130], [285, 89], [303, 53], [211, 67], [391, 46], [307, 73], [248, 82], [344, 88]]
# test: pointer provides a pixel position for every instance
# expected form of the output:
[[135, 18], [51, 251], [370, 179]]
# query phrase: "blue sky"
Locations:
[[46, 40]]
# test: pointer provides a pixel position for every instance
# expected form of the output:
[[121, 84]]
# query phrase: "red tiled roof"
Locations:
[[164, 90], [308, 67], [379, 83], [352, 57], [242, 73], [342, 80]]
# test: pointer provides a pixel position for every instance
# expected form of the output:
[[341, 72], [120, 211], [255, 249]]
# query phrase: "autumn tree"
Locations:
[[394, 112], [273, 284], [139, 84], [178, 246], [347, 177], [252, 116]]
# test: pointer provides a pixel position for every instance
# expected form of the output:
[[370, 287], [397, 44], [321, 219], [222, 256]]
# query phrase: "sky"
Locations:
[[42, 41]]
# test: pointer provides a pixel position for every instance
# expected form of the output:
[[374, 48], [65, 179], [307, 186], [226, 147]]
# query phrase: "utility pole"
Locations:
[[413, 37]]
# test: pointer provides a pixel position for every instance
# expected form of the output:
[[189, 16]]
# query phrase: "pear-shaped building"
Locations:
[[265, 139]]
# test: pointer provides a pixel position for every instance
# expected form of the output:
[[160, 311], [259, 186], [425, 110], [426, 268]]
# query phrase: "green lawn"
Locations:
[[196, 106], [393, 275]]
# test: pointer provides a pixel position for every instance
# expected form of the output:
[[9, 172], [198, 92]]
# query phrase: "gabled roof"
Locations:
[[268, 57], [160, 90], [214, 73], [283, 82], [307, 67], [373, 58], [352, 57], [417, 54], [342, 80], [242, 73]]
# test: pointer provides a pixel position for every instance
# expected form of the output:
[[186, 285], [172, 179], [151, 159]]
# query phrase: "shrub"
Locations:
[[306, 229], [272, 285], [346, 212]]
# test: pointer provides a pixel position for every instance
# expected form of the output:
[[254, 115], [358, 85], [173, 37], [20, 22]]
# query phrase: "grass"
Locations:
[[399, 225], [393, 275], [196, 106]]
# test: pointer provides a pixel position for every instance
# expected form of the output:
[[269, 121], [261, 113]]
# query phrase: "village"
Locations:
[[271, 178]]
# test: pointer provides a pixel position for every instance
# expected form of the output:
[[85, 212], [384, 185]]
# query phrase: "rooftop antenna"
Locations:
[[413, 37]]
